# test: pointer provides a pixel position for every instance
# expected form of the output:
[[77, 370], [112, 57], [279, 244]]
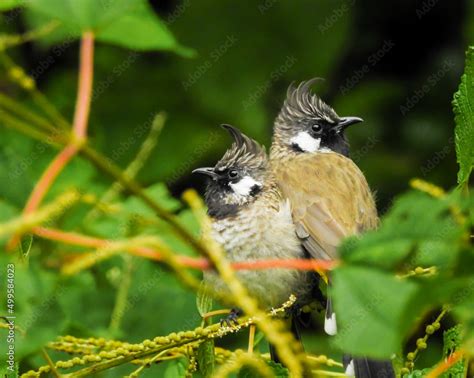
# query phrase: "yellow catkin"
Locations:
[[427, 187]]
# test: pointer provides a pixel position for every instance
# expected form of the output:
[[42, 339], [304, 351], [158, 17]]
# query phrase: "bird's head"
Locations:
[[238, 177], [306, 124]]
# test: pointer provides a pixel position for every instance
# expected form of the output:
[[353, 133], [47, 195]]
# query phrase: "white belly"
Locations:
[[263, 235]]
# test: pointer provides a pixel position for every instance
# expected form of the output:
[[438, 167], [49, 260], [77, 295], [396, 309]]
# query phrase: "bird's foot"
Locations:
[[232, 318]]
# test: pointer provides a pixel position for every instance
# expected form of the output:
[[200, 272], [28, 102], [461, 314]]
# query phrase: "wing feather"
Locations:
[[330, 200]]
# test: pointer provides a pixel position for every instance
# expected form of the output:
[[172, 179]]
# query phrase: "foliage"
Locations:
[[102, 272], [463, 109]]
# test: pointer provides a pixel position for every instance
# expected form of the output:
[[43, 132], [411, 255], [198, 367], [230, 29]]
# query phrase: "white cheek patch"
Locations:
[[244, 186], [306, 142]]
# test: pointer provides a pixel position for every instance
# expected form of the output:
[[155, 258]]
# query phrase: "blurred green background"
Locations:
[[376, 61], [396, 64]]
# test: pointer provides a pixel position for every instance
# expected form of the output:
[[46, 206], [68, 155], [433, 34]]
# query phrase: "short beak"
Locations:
[[347, 121], [208, 171]]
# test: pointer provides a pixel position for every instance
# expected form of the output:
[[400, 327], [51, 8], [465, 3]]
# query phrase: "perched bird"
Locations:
[[329, 195], [252, 221]]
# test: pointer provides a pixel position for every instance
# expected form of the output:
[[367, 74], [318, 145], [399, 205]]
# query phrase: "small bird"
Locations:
[[252, 221], [329, 195]]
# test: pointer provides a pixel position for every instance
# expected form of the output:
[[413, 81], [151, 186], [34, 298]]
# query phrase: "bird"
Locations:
[[329, 195], [252, 221]]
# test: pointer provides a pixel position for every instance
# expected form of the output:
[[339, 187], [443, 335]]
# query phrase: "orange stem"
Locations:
[[445, 365], [73, 238], [84, 91], [81, 117], [48, 177]]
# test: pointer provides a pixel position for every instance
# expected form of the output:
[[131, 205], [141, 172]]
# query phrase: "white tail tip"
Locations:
[[350, 372], [330, 325]]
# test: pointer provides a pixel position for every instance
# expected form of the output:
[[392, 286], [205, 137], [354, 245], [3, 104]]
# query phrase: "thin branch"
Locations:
[[107, 166], [84, 91], [445, 365], [73, 238], [79, 128], [48, 178], [21, 110]]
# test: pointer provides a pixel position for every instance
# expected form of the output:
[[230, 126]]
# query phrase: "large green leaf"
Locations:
[[372, 310], [463, 104], [418, 231], [10, 4], [127, 23]]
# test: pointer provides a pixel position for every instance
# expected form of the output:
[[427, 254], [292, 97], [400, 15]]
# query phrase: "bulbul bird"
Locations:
[[252, 221], [329, 195]]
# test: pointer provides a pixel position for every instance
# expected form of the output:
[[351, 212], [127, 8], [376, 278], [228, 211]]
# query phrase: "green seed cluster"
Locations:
[[96, 350], [421, 343]]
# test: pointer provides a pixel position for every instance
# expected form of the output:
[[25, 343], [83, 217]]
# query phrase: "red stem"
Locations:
[[48, 177], [445, 365], [73, 238], [81, 117], [84, 88]]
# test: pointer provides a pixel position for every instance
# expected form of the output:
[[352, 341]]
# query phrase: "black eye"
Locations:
[[233, 173], [316, 128]]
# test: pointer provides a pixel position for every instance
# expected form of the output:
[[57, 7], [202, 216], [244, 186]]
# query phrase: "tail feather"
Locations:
[[362, 367], [330, 324]]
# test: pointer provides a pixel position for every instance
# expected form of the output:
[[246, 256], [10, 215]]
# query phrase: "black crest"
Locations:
[[301, 102], [244, 152]]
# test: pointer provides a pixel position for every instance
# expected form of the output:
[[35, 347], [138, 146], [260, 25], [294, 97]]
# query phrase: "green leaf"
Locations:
[[203, 300], [127, 23], [142, 30], [452, 340], [463, 105], [419, 230], [278, 369], [25, 244], [206, 358], [176, 369], [10, 4], [374, 310]]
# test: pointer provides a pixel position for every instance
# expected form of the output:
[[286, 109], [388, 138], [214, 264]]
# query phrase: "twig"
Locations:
[[73, 238], [22, 111], [122, 294], [50, 363], [26, 222], [81, 117], [445, 365], [421, 342], [28, 83], [134, 167], [84, 92]]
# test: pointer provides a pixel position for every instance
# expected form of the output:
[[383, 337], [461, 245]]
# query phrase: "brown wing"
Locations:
[[330, 199]]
